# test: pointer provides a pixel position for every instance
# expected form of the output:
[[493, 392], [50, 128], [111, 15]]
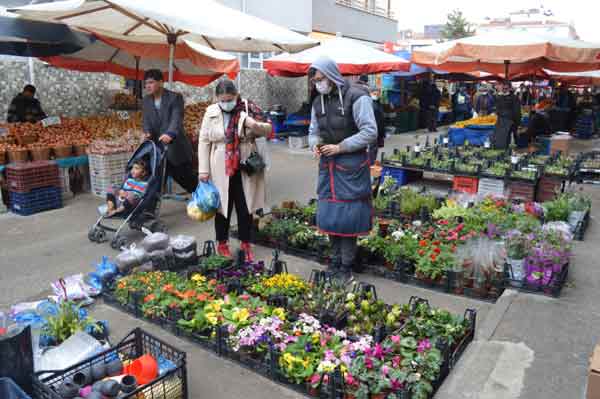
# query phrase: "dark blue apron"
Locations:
[[344, 191]]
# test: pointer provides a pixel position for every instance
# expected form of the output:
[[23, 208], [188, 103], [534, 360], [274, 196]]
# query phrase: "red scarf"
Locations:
[[232, 139]]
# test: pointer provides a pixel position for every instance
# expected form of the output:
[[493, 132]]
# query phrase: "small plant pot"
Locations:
[[110, 388], [313, 392], [114, 368], [384, 226], [83, 377], [129, 384], [68, 390]]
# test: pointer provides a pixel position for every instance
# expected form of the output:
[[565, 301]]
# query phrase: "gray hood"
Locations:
[[329, 68]]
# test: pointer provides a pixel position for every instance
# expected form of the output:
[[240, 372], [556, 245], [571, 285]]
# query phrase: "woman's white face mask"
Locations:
[[323, 86], [227, 106]]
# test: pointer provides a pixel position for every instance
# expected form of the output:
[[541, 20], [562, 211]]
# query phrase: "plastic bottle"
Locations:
[[3, 323]]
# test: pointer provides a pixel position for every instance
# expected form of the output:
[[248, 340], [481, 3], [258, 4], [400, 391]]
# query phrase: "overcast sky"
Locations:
[[585, 14]]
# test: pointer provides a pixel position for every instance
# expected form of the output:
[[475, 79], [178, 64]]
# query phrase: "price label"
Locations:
[[514, 159], [3, 131], [486, 144], [446, 140], [123, 115], [51, 121], [417, 148]]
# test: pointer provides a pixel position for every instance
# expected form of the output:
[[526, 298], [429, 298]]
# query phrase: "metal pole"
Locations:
[[172, 40], [506, 64], [31, 71]]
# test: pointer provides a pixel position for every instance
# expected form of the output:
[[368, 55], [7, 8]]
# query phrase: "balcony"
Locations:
[[368, 6]]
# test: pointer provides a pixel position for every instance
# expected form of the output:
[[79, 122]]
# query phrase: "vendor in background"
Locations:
[[25, 108], [226, 140], [461, 105], [342, 127], [525, 95], [508, 109], [429, 103], [485, 102], [162, 121], [539, 123], [379, 119]]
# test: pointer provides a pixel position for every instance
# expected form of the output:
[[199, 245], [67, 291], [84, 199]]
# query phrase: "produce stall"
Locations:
[[83, 146]]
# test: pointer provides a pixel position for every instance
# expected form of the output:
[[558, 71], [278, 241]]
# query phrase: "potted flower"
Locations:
[[517, 248]]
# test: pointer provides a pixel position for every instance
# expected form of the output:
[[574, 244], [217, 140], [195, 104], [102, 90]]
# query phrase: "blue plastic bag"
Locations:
[[106, 269], [206, 197]]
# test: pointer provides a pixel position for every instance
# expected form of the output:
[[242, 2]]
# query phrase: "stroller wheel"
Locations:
[[157, 227], [97, 235], [118, 242]]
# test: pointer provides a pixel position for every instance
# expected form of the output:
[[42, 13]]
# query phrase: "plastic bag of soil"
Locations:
[[155, 242]]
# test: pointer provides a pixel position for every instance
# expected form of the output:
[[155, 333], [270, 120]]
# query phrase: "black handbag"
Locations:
[[255, 162]]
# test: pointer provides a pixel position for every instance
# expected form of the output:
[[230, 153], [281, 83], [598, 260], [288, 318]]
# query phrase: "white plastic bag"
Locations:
[[73, 288], [77, 348]]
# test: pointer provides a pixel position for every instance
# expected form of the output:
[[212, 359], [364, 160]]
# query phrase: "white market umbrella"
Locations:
[[524, 52], [352, 58], [204, 22], [589, 78], [193, 64]]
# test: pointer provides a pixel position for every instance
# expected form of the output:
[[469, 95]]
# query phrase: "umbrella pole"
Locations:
[[136, 90], [171, 39], [506, 64]]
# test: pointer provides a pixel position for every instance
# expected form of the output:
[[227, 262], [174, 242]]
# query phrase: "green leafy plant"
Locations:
[[216, 262], [68, 321]]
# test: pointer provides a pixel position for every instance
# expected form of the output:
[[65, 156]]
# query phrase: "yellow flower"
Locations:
[[198, 278], [305, 363], [241, 315], [316, 337], [280, 313], [343, 369], [216, 305], [212, 318]]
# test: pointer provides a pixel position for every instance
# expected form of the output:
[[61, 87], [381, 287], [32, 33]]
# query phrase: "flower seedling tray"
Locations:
[[553, 289]]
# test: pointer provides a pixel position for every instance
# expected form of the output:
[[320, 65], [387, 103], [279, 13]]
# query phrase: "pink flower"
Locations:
[[368, 363], [385, 370], [378, 352], [397, 385], [396, 362], [423, 346], [395, 339], [329, 355], [315, 379], [350, 379]]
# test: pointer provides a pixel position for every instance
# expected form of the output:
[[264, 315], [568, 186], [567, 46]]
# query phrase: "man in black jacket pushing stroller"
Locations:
[[163, 123]]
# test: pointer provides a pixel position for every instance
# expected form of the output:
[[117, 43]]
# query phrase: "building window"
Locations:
[[253, 60]]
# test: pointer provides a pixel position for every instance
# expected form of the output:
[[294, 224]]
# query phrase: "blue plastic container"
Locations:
[[543, 144], [10, 390], [456, 136], [38, 200], [396, 173]]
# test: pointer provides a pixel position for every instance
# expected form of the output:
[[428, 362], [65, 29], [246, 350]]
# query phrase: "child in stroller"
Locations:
[[122, 200]]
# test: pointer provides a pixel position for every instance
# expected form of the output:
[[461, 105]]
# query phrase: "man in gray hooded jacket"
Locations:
[[342, 127]]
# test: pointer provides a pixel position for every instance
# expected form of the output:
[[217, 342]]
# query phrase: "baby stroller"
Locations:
[[145, 215]]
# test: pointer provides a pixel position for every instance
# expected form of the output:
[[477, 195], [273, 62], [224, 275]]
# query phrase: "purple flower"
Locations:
[[424, 345], [308, 347]]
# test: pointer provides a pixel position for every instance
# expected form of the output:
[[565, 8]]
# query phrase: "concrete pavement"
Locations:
[[526, 346]]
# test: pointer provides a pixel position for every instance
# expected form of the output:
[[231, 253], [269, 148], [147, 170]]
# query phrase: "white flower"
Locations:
[[417, 223], [397, 235], [415, 236], [417, 376]]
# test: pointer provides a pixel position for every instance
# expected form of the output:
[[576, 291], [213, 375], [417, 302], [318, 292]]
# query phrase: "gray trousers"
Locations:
[[344, 250]]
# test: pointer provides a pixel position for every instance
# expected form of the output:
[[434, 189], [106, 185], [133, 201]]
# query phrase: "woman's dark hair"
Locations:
[[226, 86], [153, 74], [312, 72]]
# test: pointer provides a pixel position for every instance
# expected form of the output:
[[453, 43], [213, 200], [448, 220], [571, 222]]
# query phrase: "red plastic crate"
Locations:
[[465, 184], [26, 176]]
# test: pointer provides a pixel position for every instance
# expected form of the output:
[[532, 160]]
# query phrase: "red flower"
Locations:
[[173, 305], [463, 238], [437, 250], [423, 243], [149, 298], [168, 288], [421, 252], [436, 242], [443, 222], [433, 257], [443, 233], [460, 227]]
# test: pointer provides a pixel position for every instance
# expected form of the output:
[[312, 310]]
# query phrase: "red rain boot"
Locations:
[[247, 248], [223, 249]]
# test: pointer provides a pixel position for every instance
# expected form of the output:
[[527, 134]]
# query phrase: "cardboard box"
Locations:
[[593, 386]]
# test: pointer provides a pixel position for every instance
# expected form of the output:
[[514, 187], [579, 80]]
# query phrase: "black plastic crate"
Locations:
[[171, 385], [553, 289]]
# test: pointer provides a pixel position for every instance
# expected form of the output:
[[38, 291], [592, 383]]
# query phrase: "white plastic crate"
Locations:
[[100, 185], [65, 183], [494, 187], [111, 164]]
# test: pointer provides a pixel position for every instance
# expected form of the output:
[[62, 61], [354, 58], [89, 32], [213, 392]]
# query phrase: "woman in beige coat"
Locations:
[[227, 138]]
